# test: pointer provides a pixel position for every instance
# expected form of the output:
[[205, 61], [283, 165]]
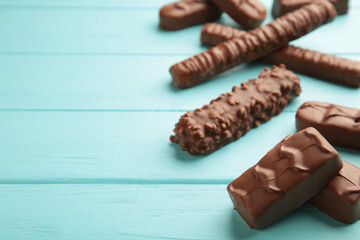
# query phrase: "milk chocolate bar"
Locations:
[[281, 7], [248, 13], [257, 43], [312, 63], [286, 177], [231, 115], [340, 199], [186, 13], [339, 125]]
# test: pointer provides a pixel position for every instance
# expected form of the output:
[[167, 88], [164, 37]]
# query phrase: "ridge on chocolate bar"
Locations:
[[340, 199], [233, 114], [323, 66], [186, 13], [255, 44], [286, 177], [339, 125], [281, 7]]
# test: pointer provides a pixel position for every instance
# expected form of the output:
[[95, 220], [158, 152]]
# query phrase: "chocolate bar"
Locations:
[[286, 177], [339, 125], [234, 113], [312, 63], [248, 13], [340, 199], [186, 13], [281, 7], [257, 43]]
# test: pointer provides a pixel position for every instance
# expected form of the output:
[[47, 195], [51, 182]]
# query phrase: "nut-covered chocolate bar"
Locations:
[[186, 13], [312, 63], [255, 44], [340, 199], [281, 7], [233, 114], [248, 13], [286, 177], [339, 125]]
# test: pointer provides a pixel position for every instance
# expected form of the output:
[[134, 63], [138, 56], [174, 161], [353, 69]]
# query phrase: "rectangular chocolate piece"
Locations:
[[286, 177], [257, 43], [186, 13], [340, 199], [281, 7], [248, 13], [339, 125], [312, 63], [233, 114]]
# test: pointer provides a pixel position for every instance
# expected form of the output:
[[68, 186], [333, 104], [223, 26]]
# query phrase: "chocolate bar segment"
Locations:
[[340, 199], [286, 177], [312, 63], [186, 13], [248, 13], [233, 114], [257, 43], [339, 125], [281, 7]]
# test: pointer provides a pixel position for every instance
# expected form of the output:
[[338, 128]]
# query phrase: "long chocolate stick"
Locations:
[[257, 43], [312, 63], [233, 114]]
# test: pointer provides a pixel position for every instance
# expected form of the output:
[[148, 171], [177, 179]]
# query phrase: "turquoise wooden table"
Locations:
[[86, 111]]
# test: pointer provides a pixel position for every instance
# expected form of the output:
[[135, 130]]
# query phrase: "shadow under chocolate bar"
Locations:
[[186, 13], [312, 63], [257, 43], [286, 177], [233, 114]]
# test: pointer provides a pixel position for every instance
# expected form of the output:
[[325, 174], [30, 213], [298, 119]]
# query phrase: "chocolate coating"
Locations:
[[312, 63], [339, 125], [248, 13], [255, 44], [233, 114], [340, 199], [281, 7], [286, 177], [186, 13]]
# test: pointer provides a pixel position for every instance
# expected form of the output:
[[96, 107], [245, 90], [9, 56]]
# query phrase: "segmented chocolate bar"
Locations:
[[233, 114], [248, 13], [340, 199], [281, 7], [286, 177], [257, 43], [339, 125], [186, 13], [312, 63]]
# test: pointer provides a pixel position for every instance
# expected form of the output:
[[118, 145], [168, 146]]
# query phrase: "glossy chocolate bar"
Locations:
[[286, 177], [281, 7], [248, 13], [186, 13], [340, 199], [233, 114], [257, 43], [339, 125]]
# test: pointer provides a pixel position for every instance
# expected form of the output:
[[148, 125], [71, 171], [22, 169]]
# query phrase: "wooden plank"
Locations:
[[130, 83], [47, 147], [146, 212]]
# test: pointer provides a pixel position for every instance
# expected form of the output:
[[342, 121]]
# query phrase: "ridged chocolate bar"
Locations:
[[233, 114], [281, 7], [312, 63], [339, 125], [340, 199], [248, 13], [286, 177], [186, 13], [257, 43]]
